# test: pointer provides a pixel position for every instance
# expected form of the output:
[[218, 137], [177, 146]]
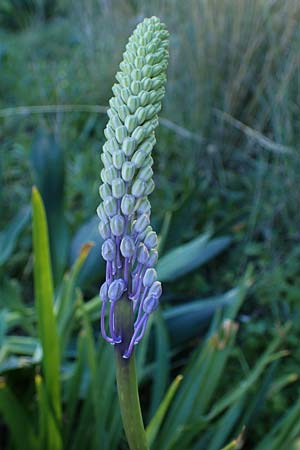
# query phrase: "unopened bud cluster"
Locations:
[[130, 244]]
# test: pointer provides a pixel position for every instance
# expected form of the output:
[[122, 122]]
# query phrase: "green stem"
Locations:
[[127, 381]]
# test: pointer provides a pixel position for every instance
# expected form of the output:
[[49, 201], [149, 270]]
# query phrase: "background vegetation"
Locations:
[[227, 171]]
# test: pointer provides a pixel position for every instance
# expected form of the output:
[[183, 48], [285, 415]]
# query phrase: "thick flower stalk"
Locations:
[[130, 244]]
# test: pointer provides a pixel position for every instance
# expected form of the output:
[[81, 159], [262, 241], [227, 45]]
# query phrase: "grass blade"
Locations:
[[17, 420], [9, 236], [155, 423], [187, 257], [47, 327]]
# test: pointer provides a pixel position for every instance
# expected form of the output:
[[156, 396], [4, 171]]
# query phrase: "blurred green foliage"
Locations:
[[227, 175]]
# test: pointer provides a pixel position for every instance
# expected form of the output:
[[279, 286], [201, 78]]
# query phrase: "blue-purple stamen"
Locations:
[[142, 282], [140, 328], [102, 320]]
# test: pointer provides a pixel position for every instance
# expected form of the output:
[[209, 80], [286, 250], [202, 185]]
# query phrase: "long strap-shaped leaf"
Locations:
[[16, 418], [47, 327]]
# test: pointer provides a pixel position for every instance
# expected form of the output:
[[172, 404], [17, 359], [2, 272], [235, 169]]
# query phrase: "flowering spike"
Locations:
[[130, 246]]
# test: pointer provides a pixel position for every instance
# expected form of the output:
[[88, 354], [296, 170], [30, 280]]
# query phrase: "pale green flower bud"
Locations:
[[156, 289], [129, 145], [157, 107], [121, 134], [150, 112], [131, 123], [147, 83], [150, 304], [148, 162], [119, 101], [140, 115], [159, 95], [118, 188], [128, 204], [151, 240], [157, 83], [118, 158], [142, 254], [112, 145], [123, 79], [113, 103], [116, 89], [150, 277], [128, 55], [133, 103], [153, 257], [106, 159], [141, 51], [104, 191], [125, 67], [142, 223], [104, 292], [108, 132], [104, 230], [143, 234], [117, 225], [147, 71], [116, 290], [150, 59], [139, 61], [139, 134], [145, 173], [110, 206], [115, 122], [144, 206], [102, 214], [136, 74], [111, 113], [127, 247], [157, 69], [109, 250], [150, 185], [138, 158], [135, 87], [128, 170], [110, 174], [123, 112], [144, 98], [138, 188], [125, 94], [103, 176]]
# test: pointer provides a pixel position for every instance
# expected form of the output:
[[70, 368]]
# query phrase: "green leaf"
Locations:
[[161, 363], [9, 236], [47, 327], [65, 303], [93, 268], [154, 425], [187, 257], [232, 446], [72, 389], [236, 393], [224, 427], [201, 379], [285, 431], [163, 235], [18, 420], [48, 170], [191, 319]]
